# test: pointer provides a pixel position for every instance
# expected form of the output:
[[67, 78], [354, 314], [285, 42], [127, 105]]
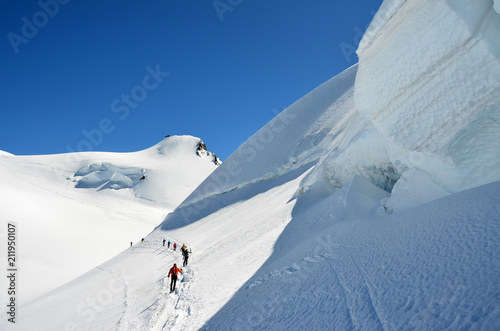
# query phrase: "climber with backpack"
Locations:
[[185, 254], [173, 272]]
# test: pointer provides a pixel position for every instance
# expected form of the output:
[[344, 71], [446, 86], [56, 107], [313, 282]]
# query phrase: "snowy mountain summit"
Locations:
[[369, 204], [173, 149], [93, 204]]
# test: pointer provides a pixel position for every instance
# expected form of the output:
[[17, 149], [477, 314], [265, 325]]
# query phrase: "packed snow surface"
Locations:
[[372, 203]]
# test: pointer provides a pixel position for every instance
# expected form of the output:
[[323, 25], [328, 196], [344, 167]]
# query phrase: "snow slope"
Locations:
[[75, 211], [434, 267], [371, 203]]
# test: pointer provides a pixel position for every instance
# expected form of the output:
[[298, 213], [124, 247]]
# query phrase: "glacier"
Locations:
[[435, 99], [370, 203]]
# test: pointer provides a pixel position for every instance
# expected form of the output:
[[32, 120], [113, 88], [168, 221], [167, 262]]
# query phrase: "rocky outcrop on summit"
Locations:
[[163, 173], [201, 150], [201, 147], [216, 160]]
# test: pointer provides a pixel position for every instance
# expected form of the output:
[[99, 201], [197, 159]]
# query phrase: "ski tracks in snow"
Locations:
[[359, 294]]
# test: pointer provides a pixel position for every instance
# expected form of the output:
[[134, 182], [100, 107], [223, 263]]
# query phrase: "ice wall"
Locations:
[[418, 116], [429, 80]]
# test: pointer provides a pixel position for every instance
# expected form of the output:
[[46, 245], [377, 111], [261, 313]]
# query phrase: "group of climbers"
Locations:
[[168, 244], [174, 271], [183, 248]]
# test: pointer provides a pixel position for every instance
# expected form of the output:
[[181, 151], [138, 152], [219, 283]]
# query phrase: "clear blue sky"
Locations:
[[128, 73]]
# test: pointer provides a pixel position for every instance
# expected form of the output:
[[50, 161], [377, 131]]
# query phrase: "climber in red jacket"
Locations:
[[173, 272]]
